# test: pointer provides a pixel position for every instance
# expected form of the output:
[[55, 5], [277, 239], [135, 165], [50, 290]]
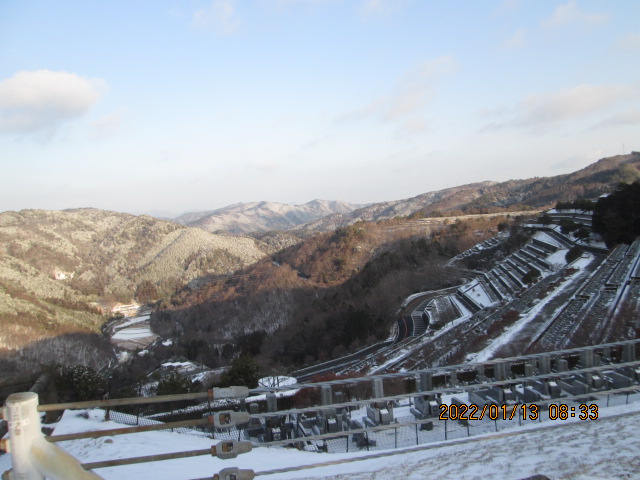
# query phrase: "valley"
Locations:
[[311, 303]]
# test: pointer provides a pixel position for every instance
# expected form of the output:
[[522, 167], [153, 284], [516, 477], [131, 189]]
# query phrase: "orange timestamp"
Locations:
[[526, 411]]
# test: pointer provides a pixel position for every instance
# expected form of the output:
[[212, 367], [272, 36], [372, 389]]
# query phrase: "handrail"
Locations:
[[211, 394], [35, 456]]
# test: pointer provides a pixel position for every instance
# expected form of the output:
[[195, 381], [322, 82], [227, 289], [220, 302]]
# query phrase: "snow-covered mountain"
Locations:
[[263, 216]]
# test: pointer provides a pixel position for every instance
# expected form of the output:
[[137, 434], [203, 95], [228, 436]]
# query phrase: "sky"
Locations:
[[183, 105]]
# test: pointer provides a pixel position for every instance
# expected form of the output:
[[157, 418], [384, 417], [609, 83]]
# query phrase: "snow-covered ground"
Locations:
[[133, 333], [578, 449], [475, 291]]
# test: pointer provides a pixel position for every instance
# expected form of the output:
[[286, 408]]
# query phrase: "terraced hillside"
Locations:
[[591, 300]]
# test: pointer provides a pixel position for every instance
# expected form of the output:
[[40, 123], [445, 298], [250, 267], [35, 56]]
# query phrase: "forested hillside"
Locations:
[[332, 293], [62, 271]]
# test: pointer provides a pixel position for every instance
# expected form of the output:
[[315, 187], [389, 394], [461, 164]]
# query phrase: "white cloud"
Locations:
[[411, 94], [378, 8], [220, 16], [517, 40], [415, 125], [43, 100], [628, 117], [540, 110], [569, 103], [571, 14], [107, 124]]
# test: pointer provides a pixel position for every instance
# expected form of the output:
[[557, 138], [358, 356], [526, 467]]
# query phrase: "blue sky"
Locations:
[[193, 105]]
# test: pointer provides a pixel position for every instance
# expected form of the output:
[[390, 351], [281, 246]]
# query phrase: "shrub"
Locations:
[[244, 371], [573, 254], [80, 383], [175, 383]]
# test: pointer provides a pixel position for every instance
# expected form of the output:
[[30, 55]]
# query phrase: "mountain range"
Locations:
[[60, 270], [480, 197], [262, 216], [488, 197]]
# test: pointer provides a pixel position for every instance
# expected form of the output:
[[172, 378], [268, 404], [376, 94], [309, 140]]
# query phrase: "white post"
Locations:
[[24, 427], [32, 455], [58, 464]]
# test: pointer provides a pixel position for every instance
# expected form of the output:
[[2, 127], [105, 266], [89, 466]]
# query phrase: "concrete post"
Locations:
[[32, 456], [498, 371], [24, 427], [453, 378], [480, 373], [57, 464]]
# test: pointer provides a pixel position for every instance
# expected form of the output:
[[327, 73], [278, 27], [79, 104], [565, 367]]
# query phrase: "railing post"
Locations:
[[21, 413], [31, 455]]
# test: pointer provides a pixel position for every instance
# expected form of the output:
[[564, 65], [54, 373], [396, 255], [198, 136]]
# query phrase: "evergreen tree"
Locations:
[[244, 371], [617, 216], [80, 383], [175, 383]]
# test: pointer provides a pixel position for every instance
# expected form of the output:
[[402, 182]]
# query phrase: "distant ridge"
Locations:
[[242, 218], [487, 197]]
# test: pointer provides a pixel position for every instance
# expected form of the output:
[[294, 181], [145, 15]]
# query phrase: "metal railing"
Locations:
[[35, 456]]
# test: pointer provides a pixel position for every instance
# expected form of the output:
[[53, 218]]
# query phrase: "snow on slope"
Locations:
[[511, 333]]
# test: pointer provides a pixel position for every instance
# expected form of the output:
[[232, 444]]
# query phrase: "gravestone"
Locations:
[[597, 382], [373, 416], [499, 371], [553, 389], [428, 426], [426, 382], [562, 365], [378, 388], [597, 360], [586, 358], [420, 407], [339, 397], [617, 380], [272, 402], [325, 395], [528, 370], [628, 352], [544, 364]]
